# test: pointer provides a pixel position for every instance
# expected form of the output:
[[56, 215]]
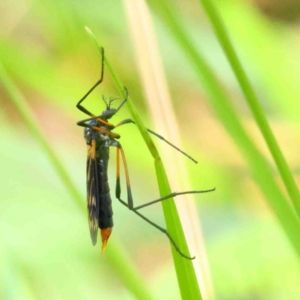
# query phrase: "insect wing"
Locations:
[[92, 190]]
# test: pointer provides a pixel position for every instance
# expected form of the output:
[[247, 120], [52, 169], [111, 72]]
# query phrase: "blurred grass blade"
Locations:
[[126, 271], [269, 50], [254, 104], [229, 117], [34, 129], [184, 269], [160, 104]]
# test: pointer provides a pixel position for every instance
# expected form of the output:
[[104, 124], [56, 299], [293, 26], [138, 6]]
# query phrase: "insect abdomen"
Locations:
[[105, 219]]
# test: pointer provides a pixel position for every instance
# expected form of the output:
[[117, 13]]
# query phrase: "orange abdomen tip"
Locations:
[[105, 234]]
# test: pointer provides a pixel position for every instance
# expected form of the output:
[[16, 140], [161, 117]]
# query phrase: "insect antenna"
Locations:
[[107, 105], [113, 99]]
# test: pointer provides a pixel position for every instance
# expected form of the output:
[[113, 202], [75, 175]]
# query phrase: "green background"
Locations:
[[45, 248]]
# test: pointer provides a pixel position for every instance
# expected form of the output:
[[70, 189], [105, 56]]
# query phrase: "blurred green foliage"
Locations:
[[45, 249]]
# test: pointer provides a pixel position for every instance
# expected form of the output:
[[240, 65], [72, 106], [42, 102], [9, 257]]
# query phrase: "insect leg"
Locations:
[[130, 205], [103, 115], [128, 121], [172, 195], [79, 106], [129, 194]]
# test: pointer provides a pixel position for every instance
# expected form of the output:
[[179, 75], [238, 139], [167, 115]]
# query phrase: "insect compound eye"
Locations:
[[93, 122]]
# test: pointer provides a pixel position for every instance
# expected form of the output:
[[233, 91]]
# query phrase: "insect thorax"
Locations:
[[102, 139]]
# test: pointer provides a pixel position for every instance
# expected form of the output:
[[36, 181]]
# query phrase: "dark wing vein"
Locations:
[[92, 191]]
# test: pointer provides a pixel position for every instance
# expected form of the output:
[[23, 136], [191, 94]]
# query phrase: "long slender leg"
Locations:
[[172, 195], [128, 121], [79, 106], [130, 205]]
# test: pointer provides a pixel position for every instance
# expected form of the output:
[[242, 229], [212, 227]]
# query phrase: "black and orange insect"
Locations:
[[99, 138]]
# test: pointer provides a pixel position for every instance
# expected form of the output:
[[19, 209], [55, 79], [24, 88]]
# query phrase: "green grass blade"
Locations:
[[118, 260], [184, 269], [254, 104], [260, 168]]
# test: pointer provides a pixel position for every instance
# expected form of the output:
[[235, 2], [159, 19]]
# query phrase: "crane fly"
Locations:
[[99, 138]]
